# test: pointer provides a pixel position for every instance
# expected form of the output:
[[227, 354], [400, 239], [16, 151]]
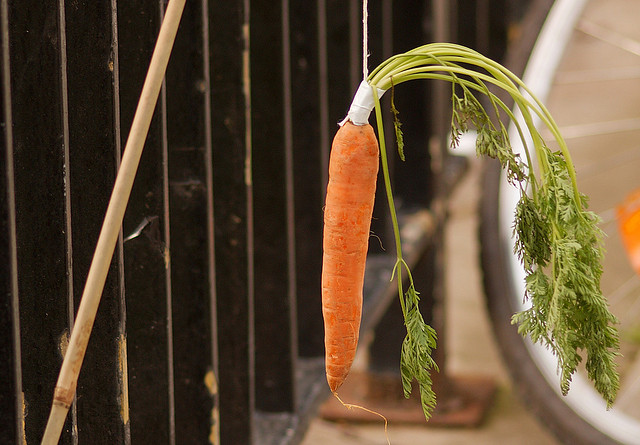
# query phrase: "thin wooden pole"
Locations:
[[68, 379]]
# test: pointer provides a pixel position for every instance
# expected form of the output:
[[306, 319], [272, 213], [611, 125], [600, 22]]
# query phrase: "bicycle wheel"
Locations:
[[607, 174], [581, 417]]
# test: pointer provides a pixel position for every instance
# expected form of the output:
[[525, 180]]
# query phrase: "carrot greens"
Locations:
[[556, 238], [420, 341]]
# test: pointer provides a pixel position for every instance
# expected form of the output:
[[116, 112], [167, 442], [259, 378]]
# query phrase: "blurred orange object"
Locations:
[[628, 213]]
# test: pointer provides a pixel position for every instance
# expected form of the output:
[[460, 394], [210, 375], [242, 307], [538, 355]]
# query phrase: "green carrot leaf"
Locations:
[[396, 125], [416, 362]]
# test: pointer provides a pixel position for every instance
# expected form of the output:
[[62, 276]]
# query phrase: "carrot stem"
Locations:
[[389, 193], [439, 58]]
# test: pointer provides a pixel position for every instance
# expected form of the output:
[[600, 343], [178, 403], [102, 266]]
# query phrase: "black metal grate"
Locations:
[[209, 328]]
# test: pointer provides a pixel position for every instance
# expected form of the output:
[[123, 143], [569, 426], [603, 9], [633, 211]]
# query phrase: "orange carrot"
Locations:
[[353, 169]]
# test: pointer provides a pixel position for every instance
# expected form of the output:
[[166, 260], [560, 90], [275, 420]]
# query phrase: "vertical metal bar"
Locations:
[[387, 28], [355, 44], [186, 128], [340, 58], [250, 235], [214, 436], [64, 99], [39, 201], [10, 313], [441, 14], [440, 126], [146, 257], [463, 24], [167, 251], [309, 110], [270, 140], [232, 183], [441, 20], [323, 91], [91, 66], [92, 165], [483, 26], [123, 366], [500, 16], [289, 181]]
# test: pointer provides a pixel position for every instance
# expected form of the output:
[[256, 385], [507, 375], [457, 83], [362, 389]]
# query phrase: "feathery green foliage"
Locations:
[[416, 361], [556, 238], [397, 125]]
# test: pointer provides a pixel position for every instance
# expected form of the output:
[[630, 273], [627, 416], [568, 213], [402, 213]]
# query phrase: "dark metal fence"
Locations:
[[209, 328]]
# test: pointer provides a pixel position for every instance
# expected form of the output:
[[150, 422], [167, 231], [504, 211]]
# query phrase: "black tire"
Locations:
[[529, 383]]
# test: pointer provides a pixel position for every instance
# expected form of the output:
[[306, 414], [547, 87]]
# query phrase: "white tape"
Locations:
[[362, 105]]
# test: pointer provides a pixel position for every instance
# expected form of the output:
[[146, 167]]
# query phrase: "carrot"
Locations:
[[353, 169]]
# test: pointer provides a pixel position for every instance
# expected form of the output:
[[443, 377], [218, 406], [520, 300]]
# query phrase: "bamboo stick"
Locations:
[[68, 379]]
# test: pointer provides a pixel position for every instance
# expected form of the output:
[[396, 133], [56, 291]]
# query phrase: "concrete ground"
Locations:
[[602, 63]]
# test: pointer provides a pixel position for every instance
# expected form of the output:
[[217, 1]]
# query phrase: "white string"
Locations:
[[365, 39], [363, 101]]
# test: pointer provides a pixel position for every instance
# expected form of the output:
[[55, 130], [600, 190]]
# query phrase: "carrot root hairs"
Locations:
[[353, 406]]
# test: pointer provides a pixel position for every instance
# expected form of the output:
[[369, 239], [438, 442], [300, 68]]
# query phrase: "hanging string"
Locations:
[[363, 101], [365, 39]]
